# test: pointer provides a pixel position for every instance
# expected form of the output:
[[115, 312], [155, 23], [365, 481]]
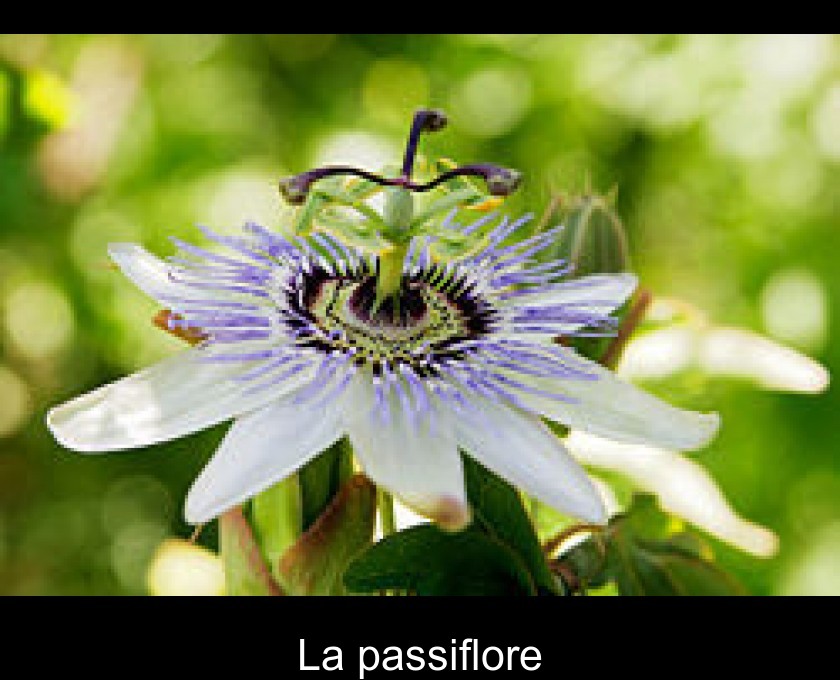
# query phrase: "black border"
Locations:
[[577, 637]]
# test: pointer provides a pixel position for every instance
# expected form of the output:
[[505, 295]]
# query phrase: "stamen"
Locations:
[[500, 181]]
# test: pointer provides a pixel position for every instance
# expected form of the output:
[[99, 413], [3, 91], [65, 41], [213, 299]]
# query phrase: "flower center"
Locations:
[[397, 223], [428, 321], [407, 308]]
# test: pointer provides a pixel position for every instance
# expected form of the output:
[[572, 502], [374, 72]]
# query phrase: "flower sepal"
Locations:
[[643, 551], [246, 569], [315, 563], [311, 563]]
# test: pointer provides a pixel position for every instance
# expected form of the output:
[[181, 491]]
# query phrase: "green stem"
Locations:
[[534, 512], [389, 280], [396, 217], [246, 570], [385, 503], [276, 518]]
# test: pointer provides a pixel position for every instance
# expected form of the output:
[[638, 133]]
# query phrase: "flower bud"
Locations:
[[594, 240]]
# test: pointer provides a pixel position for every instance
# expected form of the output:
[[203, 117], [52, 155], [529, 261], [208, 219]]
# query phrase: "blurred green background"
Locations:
[[725, 149]]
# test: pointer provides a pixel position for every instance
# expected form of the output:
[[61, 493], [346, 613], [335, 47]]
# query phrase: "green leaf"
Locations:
[[314, 565], [643, 554], [246, 571], [427, 561], [498, 511], [662, 568], [499, 553]]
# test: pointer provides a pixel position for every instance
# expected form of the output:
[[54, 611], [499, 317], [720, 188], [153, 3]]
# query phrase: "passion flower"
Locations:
[[303, 341]]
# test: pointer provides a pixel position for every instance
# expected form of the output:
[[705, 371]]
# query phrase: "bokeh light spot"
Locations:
[[296, 48], [180, 568], [748, 126], [106, 80], [825, 123], [89, 238], [135, 498], [132, 550], [794, 308], [393, 89], [492, 101], [227, 200], [362, 149], [38, 319], [184, 49], [47, 98], [789, 61], [814, 571], [654, 89]]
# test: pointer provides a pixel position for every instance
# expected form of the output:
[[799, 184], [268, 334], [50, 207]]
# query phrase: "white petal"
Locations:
[[722, 351], [520, 448], [153, 276], [684, 488], [598, 294], [612, 408], [404, 518], [146, 271], [175, 397], [420, 464], [659, 354], [743, 354], [259, 450], [601, 293]]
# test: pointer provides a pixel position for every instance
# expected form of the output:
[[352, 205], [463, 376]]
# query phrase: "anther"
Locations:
[[425, 120], [295, 189]]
